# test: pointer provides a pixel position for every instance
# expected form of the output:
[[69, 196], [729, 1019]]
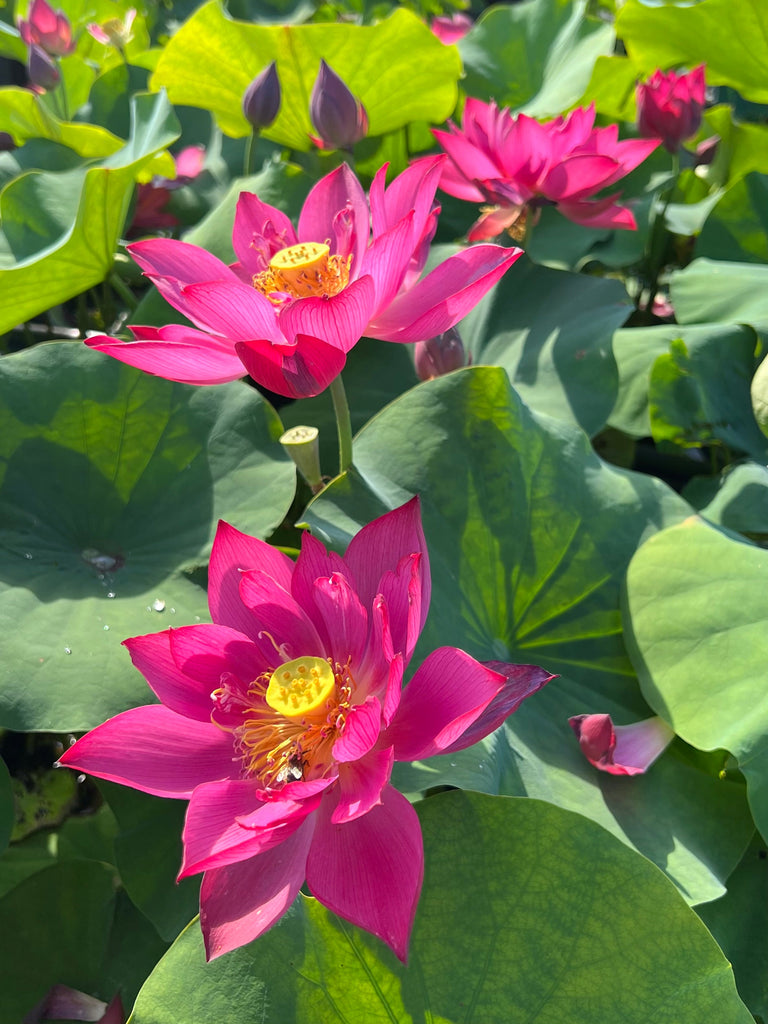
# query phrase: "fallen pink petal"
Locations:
[[621, 749]]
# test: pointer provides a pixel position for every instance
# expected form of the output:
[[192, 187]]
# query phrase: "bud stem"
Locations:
[[250, 146], [343, 423]]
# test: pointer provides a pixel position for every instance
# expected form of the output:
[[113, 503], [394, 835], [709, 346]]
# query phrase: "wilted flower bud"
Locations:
[[48, 29], [41, 69], [261, 100], [669, 107], [439, 355], [338, 116]]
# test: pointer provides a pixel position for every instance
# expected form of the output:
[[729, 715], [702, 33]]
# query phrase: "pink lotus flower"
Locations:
[[621, 749], [669, 107], [450, 28], [48, 29], [298, 300], [280, 723], [516, 164], [116, 32]]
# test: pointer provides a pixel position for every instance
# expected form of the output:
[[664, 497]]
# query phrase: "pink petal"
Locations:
[[206, 652], [183, 262], [176, 353], [213, 835], [152, 656], [369, 870], [285, 631], [339, 321], [231, 309], [521, 682], [621, 749], [470, 161], [599, 213], [361, 783], [155, 750], [344, 619], [445, 295], [630, 153], [240, 902], [578, 177], [401, 590], [387, 261], [314, 563], [447, 695], [361, 731], [337, 191], [379, 547], [299, 372], [233, 552], [457, 184], [412, 191], [251, 220], [494, 222]]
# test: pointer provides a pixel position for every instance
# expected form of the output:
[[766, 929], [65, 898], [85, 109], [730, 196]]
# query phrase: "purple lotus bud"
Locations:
[[441, 354], [261, 100], [7, 144], [706, 151], [41, 69], [338, 116]]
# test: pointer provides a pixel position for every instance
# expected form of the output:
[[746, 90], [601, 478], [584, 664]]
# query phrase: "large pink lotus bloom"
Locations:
[[516, 164], [48, 29], [299, 299], [669, 107], [280, 723], [621, 749]]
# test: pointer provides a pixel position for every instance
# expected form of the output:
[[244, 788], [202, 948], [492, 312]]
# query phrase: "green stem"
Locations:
[[123, 291], [657, 240], [343, 423], [250, 146]]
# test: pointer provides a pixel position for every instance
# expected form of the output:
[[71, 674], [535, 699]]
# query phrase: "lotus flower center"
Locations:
[[298, 688], [303, 270]]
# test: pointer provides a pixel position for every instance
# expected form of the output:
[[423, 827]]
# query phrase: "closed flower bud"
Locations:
[[42, 71], [338, 116], [441, 354], [669, 107], [261, 100], [7, 143], [48, 29]]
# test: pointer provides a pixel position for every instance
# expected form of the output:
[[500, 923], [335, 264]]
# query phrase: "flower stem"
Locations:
[[343, 423], [250, 146], [123, 291], [657, 240]]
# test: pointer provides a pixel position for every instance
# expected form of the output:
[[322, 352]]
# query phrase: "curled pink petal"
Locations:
[[621, 749]]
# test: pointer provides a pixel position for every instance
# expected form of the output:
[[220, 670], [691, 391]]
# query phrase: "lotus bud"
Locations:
[[7, 143], [48, 29], [441, 354], [669, 106], [42, 70], [338, 116], [261, 100]]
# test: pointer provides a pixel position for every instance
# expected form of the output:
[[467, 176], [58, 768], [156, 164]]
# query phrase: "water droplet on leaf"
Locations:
[[158, 605]]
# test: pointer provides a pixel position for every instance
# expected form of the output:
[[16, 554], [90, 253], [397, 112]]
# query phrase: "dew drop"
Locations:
[[452, 764], [172, 611], [27, 555], [111, 593], [98, 559], [67, 650], [158, 605], [81, 778], [106, 628]]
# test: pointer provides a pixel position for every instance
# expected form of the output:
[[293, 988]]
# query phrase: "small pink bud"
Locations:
[[261, 100], [441, 354], [43, 73], [338, 116], [669, 106], [48, 29], [621, 749]]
